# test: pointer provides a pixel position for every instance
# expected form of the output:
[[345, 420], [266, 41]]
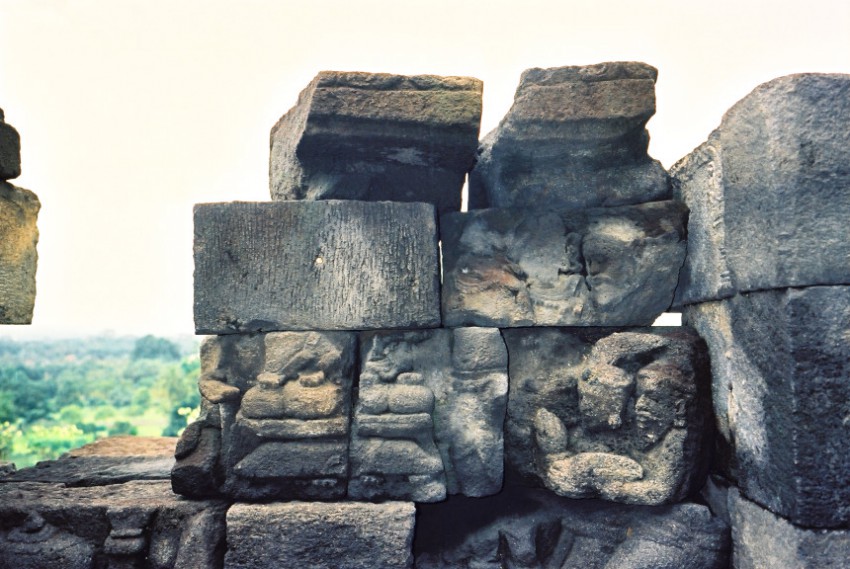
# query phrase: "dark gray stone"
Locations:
[[18, 256], [574, 138], [532, 529], [769, 192], [763, 539], [327, 265], [378, 137], [137, 524], [781, 371], [619, 414], [597, 267], [429, 415], [10, 150], [296, 535]]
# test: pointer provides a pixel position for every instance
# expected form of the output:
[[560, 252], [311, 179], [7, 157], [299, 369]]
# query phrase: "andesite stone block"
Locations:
[[376, 137], [618, 414], [574, 138], [781, 381], [294, 535], [10, 150], [769, 192], [595, 267], [525, 527], [330, 265], [18, 256]]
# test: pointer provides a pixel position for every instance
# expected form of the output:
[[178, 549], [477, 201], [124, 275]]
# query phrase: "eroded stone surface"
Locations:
[[619, 414], [120, 525], [597, 267], [10, 150], [769, 192], [327, 265], [429, 415], [574, 138], [375, 137], [18, 256], [530, 529], [295, 535], [763, 539], [781, 363]]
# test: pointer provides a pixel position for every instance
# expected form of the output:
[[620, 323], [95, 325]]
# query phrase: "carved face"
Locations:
[[658, 404], [611, 255]]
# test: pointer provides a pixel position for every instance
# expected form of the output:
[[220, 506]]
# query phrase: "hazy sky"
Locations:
[[130, 111]]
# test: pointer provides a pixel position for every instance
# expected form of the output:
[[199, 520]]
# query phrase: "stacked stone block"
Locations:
[[765, 283], [18, 234]]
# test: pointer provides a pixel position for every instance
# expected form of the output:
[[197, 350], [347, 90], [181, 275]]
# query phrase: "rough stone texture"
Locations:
[[762, 539], [275, 419], [18, 256], [597, 267], [137, 524], [296, 535], [574, 138], [376, 137], [10, 150], [527, 528], [781, 371], [113, 460], [429, 415], [621, 415], [769, 192], [315, 266]]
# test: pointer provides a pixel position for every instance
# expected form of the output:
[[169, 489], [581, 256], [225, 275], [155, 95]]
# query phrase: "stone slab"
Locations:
[[295, 535], [378, 137], [18, 256], [618, 414], [119, 525], [10, 150], [533, 528], [769, 192], [596, 267], [326, 265], [763, 539], [574, 138], [781, 381]]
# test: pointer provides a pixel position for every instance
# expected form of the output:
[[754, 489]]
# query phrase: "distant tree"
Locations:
[[152, 347]]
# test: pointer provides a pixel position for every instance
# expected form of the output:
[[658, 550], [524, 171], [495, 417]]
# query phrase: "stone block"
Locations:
[[524, 527], [429, 415], [781, 372], [136, 524], [622, 415], [574, 138], [327, 265], [18, 255], [763, 539], [295, 535], [769, 192], [596, 267], [10, 150], [378, 137]]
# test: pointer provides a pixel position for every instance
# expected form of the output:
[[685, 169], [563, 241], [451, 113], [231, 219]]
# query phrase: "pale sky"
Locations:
[[131, 111]]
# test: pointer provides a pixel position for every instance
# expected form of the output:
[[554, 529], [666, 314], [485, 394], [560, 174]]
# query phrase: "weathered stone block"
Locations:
[[769, 192], [763, 539], [619, 414], [301, 534], [137, 524], [781, 372], [429, 415], [574, 138], [18, 255], [532, 528], [10, 150], [597, 267], [315, 266], [378, 137]]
